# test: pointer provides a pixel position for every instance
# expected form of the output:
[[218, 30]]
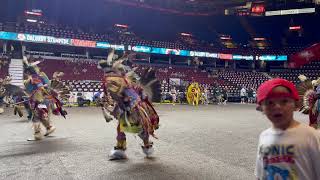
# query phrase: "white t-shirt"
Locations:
[[243, 92], [292, 154], [173, 92]]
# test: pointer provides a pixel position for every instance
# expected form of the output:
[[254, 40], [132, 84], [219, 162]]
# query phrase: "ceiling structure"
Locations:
[[211, 7], [184, 7]]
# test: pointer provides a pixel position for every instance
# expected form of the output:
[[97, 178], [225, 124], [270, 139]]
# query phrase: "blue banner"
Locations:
[[106, 45], [103, 45], [241, 57], [158, 50], [8, 35], [184, 53], [144, 49], [272, 58]]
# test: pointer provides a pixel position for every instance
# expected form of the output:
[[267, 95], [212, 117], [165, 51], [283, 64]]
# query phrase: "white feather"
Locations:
[[302, 77], [110, 57]]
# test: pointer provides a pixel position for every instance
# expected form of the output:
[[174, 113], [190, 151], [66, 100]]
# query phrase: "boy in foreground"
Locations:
[[288, 150]]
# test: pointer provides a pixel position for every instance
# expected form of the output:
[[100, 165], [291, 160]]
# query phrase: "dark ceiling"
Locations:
[[184, 7]]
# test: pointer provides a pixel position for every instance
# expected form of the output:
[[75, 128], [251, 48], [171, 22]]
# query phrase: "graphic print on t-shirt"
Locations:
[[278, 162]]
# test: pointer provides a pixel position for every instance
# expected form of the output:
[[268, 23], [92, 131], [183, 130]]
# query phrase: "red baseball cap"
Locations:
[[265, 90]]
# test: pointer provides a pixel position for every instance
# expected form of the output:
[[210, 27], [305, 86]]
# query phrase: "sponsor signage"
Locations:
[[211, 55], [8, 35], [103, 45], [184, 53], [106, 45], [290, 11], [241, 57], [83, 43], [225, 56], [272, 58], [42, 39], [198, 53], [144, 49]]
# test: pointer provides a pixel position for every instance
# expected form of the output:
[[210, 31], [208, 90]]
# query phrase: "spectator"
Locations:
[[250, 95], [225, 96], [288, 149], [243, 95], [173, 94]]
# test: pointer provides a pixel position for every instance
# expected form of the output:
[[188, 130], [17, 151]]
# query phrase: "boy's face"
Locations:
[[279, 110]]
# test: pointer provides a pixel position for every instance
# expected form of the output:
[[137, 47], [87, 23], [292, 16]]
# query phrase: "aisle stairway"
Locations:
[[16, 72]]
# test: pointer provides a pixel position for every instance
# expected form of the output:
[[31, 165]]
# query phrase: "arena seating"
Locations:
[[129, 38], [310, 70], [84, 86], [83, 75], [244, 79], [73, 69]]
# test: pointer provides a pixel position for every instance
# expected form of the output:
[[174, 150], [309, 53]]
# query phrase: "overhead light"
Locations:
[[295, 28], [225, 38], [33, 13], [121, 25], [185, 34], [32, 20], [259, 39]]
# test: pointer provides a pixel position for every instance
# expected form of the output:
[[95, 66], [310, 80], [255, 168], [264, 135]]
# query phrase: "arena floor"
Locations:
[[205, 142]]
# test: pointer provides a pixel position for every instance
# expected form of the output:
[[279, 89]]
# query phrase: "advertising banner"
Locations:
[[43, 39], [83, 43], [144, 49], [241, 57], [225, 56], [272, 58]]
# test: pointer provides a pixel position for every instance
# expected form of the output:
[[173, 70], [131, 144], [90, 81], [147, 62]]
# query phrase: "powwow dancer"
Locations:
[[309, 92], [43, 99], [126, 100], [193, 94], [13, 95]]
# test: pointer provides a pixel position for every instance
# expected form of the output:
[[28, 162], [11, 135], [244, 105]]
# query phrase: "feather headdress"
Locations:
[[306, 93], [146, 79]]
